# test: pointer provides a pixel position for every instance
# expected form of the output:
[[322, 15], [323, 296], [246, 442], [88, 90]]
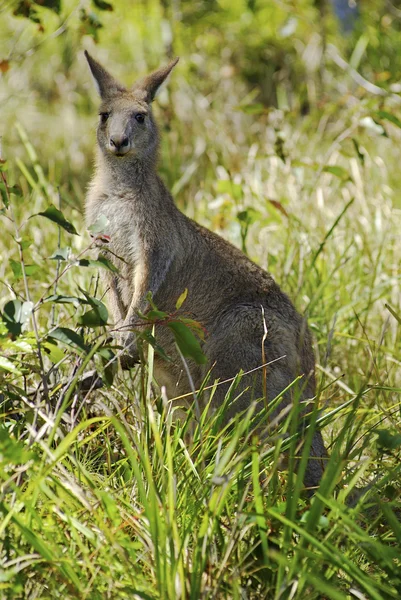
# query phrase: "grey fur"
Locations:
[[166, 252]]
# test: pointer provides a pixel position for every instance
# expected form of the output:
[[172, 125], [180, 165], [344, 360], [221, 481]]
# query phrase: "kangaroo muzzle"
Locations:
[[119, 145]]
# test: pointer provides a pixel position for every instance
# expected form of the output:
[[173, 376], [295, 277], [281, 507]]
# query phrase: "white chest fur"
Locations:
[[121, 226]]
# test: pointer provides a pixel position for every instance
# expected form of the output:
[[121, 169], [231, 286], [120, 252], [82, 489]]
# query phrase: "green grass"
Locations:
[[104, 494]]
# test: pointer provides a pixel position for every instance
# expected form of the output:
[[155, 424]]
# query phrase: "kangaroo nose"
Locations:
[[119, 144]]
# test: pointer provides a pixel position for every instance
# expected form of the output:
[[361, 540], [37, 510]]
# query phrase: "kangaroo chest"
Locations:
[[122, 228], [124, 248]]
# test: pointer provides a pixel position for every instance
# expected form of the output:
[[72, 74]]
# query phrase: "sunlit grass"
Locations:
[[105, 494]]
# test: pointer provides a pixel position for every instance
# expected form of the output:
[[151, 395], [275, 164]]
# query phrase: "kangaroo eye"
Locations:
[[104, 116], [140, 117]]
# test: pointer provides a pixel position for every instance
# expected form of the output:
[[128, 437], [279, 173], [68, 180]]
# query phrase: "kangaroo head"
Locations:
[[126, 126]]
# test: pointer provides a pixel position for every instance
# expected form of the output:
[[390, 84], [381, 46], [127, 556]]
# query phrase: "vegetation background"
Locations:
[[281, 131]]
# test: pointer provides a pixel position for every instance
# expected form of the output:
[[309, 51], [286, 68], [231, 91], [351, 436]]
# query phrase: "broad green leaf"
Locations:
[[16, 314], [94, 302], [147, 336], [110, 505], [106, 263], [187, 342], [95, 317], [5, 191], [194, 326], [60, 254], [388, 440], [156, 315], [103, 264], [54, 214], [68, 337], [16, 190], [12, 450], [100, 225], [53, 351], [25, 244], [248, 216], [60, 299], [110, 366], [29, 269]]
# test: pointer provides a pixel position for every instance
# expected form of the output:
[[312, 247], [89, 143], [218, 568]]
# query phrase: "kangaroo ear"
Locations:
[[105, 83], [152, 82]]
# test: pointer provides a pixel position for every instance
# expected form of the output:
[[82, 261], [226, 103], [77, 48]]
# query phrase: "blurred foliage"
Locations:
[[280, 54], [282, 133]]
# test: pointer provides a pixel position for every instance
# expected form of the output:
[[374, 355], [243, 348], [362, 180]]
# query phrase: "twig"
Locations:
[[357, 77]]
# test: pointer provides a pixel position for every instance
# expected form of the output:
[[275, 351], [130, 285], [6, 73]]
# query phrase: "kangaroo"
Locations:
[[158, 249]]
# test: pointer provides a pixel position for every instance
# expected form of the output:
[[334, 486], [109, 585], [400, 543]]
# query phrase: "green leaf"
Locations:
[[102, 263], [6, 190], [149, 338], [248, 216], [105, 263], [3, 193], [54, 214], [16, 190], [187, 342], [29, 269], [194, 326], [388, 440], [110, 366], [53, 351], [68, 337], [110, 506], [60, 254], [102, 5], [100, 225], [96, 317], [181, 299], [323, 522], [339, 172], [155, 315], [382, 114], [16, 314], [11, 450], [25, 244], [60, 299]]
